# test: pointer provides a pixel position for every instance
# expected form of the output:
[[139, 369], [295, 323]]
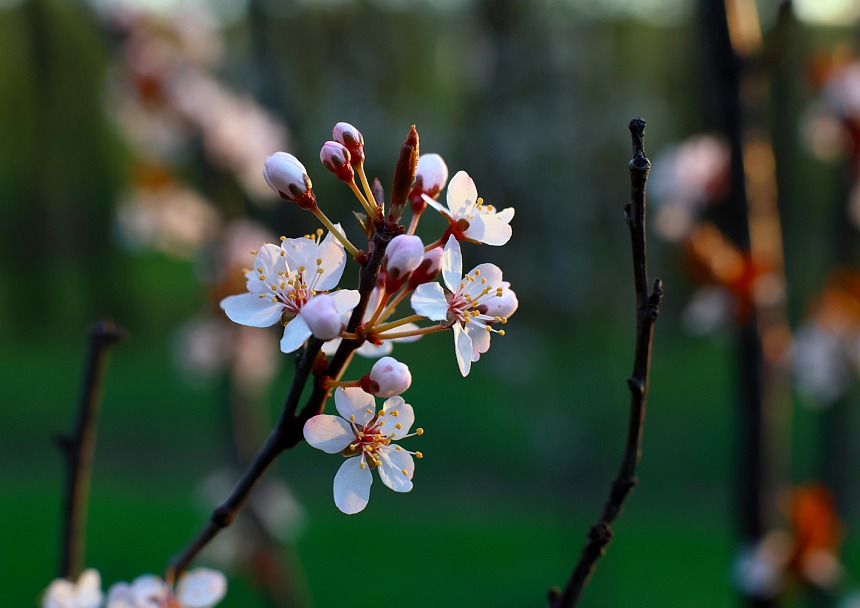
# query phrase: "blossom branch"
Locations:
[[647, 309], [79, 448]]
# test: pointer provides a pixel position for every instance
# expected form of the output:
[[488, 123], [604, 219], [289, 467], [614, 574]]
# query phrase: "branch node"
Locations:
[[223, 516], [636, 385]]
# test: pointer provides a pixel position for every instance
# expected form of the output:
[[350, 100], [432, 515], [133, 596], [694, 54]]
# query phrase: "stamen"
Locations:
[[398, 426], [419, 455], [419, 431], [283, 238], [254, 252], [405, 472], [363, 465]]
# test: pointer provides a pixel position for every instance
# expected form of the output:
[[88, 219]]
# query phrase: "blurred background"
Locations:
[[133, 137]]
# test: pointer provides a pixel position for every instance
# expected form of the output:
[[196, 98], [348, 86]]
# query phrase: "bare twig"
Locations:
[[79, 448], [647, 309]]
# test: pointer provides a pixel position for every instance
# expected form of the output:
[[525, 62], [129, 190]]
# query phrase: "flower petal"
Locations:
[[252, 310], [352, 486], [488, 229], [201, 588], [295, 334], [506, 215], [462, 349], [428, 300], [300, 252], [480, 340], [462, 194], [345, 299], [452, 264], [405, 417], [391, 472], [353, 401], [331, 434], [333, 263], [437, 206]]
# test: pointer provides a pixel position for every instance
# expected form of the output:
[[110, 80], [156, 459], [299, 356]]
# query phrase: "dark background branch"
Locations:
[[647, 309], [79, 449]]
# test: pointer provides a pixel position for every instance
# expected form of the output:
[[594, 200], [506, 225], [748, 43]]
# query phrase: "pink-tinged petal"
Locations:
[[329, 348], [452, 264], [330, 238], [407, 327], [394, 462], [489, 275], [333, 262], [331, 434], [436, 205], [428, 300], [405, 417], [252, 310], [345, 300], [462, 194], [480, 340], [201, 588], [352, 486], [149, 591], [506, 215], [295, 334], [300, 252], [488, 229], [121, 595], [353, 401], [462, 349], [372, 351]]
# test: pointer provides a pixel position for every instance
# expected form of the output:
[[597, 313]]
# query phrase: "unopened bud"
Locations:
[[404, 254], [288, 177], [430, 177], [428, 269], [335, 158], [503, 305], [388, 377], [321, 315], [404, 174], [344, 133]]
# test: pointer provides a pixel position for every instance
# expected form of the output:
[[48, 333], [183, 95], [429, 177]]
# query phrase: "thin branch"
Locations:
[[647, 309], [79, 449], [288, 429]]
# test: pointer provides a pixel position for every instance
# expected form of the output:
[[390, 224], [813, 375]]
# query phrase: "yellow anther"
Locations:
[[398, 448], [283, 253], [262, 277], [419, 455], [254, 252], [283, 238], [260, 269], [352, 417], [283, 285], [320, 271], [382, 413], [361, 434], [301, 268], [319, 261], [261, 296], [480, 200], [274, 299], [501, 332], [477, 271], [483, 280], [319, 231], [363, 465], [419, 431], [398, 426], [394, 413], [369, 411], [273, 287], [405, 472]]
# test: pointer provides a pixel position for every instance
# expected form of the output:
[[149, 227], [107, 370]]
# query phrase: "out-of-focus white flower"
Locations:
[[466, 307], [289, 178], [710, 308], [404, 254], [388, 377], [283, 280], [86, 592], [759, 570], [365, 438], [470, 219], [197, 588], [821, 364]]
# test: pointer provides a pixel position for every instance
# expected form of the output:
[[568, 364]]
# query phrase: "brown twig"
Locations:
[[79, 449], [647, 309]]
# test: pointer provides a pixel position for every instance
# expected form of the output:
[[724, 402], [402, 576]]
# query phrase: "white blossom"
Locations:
[[389, 377], [470, 218], [86, 592], [197, 588], [365, 438]]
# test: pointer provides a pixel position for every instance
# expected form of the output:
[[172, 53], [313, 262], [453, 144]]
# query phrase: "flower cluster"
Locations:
[[198, 588], [295, 283]]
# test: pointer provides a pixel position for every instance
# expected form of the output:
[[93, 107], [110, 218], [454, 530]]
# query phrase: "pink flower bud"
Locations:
[[388, 377], [428, 268], [503, 305], [321, 316], [430, 177], [403, 255], [288, 177], [335, 158], [344, 133]]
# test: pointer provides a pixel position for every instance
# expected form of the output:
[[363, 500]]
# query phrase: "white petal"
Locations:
[[489, 229], [490, 272], [405, 417], [462, 194], [121, 595], [89, 589], [353, 401], [462, 349], [201, 588], [428, 300], [333, 262], [407, 327], [331, 434], [59, 594], [252, 310], [352, 486], [149, 591], [345, 299], [295, 334], [330, 238], [436, 205], [372, 351], [300, 252], [452, 264], [480, 340], [394, 462], [329, 348], [506, 215]]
